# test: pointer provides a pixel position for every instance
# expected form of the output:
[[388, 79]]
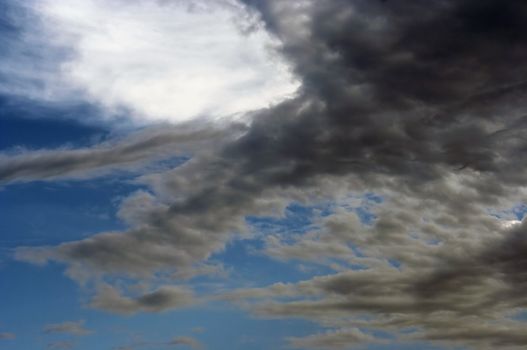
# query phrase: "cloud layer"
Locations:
[[421, 103]]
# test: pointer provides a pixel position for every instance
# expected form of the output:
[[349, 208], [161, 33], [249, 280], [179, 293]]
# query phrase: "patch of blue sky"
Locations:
[[516, 212], [520, 210], [217, 326], [395, 263], [36, 134], [29, 125], [297, 218], [520, 316], [248, 267], [223, 327], [373, 198], [365, 215], [24, 288], [42, 213], [244, 261]]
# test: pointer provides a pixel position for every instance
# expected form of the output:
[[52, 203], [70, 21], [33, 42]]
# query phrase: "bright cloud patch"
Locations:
[[167, 60]]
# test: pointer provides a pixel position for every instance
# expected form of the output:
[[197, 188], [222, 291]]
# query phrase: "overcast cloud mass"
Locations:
[[399, 124]]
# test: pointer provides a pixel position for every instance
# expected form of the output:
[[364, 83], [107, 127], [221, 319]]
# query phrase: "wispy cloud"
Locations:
[[70, 327], [185, 341], [7, 336]]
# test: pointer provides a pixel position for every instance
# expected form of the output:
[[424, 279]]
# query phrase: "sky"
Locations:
[[263, 174]]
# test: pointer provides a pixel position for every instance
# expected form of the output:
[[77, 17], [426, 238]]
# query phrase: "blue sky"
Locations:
[[239, 174]]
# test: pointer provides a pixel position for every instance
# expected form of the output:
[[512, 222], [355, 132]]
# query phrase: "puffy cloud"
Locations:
[[71, 327]]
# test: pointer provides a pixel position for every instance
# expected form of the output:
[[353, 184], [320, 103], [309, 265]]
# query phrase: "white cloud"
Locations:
[[508, 224], [163, 60], [153, 60]]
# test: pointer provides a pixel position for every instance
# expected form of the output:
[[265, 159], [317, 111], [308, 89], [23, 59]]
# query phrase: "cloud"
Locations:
[[7, 336], [61, 345], [414, 101], [129, 153], [176, 342], [185, 341], [71, 327], [157, 60], [164, 298], [462, 298], [332, 340]]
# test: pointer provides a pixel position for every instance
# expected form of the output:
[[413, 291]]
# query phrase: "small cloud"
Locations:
[[186, 341], [165, 298], [198, 330], [72, 328], [61, 345], [7, 336]]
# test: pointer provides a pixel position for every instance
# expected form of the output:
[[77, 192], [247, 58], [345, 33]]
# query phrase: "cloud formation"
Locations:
[[413, 101], [71, 327], [165, 298], [127, 154]]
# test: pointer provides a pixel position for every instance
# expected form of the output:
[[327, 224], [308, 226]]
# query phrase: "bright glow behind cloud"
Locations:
[[167, 60]]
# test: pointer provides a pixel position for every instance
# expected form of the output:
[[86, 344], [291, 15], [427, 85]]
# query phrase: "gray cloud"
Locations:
[[419, 102], [186, 341], [7, 336], [467, 298], [71, 327], [176, 342], [129, 153], [108, 298], [61, 345], [342, 339]]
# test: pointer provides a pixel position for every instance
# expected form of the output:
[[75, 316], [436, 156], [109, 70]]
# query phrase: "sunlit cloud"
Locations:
[[155, 60]]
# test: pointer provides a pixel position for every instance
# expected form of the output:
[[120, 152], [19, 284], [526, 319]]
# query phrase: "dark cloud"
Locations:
[[400, 88]]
